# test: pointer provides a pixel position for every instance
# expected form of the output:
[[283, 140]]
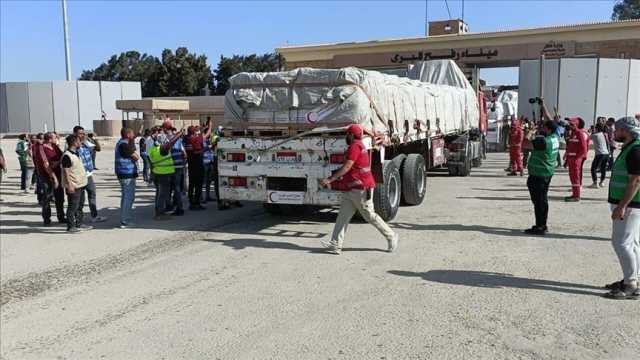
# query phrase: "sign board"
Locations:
[[285, 197], [499, 54]]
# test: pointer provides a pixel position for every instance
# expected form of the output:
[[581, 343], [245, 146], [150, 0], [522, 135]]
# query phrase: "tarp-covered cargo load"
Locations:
[[335, 97]]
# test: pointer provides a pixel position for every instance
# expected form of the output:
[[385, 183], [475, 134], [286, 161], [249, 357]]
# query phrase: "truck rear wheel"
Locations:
[[465, 168], [386, 196], [414, 179]]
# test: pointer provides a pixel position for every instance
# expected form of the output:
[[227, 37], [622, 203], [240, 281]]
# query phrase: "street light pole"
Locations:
[[67, 56]]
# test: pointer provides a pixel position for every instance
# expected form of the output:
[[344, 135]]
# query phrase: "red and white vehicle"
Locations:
[[285, 132]]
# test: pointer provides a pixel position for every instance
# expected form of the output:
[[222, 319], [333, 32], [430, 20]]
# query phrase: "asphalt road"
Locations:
[[464, 284]]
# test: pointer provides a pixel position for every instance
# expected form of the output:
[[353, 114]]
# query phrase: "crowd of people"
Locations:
[[542, 141], [169, 159], [572, 133]]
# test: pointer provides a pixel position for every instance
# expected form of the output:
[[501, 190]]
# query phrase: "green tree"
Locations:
[[229, 66], [626, 10], [179, 74]]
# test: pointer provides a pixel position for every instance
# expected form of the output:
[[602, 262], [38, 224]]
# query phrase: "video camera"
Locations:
[[535, 100]]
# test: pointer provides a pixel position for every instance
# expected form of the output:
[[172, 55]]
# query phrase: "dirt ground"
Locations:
[[465, 283]]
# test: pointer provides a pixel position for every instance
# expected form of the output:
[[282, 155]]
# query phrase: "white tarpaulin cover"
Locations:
[[349, 95], [438, 72]]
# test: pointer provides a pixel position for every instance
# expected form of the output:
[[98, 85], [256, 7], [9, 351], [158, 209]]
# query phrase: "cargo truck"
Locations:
[[285, 131]]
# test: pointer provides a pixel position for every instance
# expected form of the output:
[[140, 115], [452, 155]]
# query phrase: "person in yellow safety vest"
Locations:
[[163, 171], [624, 200]]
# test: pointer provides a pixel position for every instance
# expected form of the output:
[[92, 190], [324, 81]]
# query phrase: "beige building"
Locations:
[[620, 39]]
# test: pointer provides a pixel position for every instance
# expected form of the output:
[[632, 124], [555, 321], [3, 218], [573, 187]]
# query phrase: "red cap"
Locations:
[[574, 121], [355, 130]]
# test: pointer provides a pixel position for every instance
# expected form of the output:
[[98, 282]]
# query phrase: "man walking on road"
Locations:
[[541, 167], [126, 168], [624, 199], [84, 151], [577, 149], [357, 182], [75, 181]]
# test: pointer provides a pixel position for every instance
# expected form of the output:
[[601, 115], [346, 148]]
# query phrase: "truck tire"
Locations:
[[453, 170], [386, 196], [399, 161], [414, 180], [465, 168]]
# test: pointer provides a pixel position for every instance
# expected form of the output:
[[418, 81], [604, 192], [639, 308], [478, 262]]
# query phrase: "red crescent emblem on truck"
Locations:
[[312, 117]]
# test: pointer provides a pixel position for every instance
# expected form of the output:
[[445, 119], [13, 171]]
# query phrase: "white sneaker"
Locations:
[[593, 186], [127, 225], [98, 219], [25, 191], [331, 247], [393, 243], [602, 184]]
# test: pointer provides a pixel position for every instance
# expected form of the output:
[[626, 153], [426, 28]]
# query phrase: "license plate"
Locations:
[[285, 197], [286, 157]]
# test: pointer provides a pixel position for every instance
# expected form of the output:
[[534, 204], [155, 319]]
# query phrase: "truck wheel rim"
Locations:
[[393, 191], [422, 181]]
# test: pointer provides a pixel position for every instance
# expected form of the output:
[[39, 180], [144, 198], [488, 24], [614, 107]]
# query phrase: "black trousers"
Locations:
[[75, 203], [599, 163], [91, 195], [539, 190], [163, 191], [196, 179], [50, 194]]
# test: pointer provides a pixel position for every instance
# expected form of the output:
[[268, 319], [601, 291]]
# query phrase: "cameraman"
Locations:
[[541, 167]]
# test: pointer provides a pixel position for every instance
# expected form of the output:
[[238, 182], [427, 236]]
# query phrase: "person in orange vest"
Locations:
[[516, 136], [356, 182], [576, 154]]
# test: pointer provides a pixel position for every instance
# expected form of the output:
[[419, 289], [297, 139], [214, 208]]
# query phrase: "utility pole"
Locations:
[[426, 17], [67, 56]]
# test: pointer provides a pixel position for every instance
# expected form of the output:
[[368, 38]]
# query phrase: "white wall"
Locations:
[[65, 105], [633, 99], [40, 107], [613, 85]]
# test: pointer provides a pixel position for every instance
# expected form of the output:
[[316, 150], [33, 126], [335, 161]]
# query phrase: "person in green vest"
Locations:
[[624, 200], [163, 171], [541, 167]]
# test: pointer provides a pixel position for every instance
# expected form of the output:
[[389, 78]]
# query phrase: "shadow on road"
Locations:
[[241, 244], [498, 281], [490, 230], [524, 198]]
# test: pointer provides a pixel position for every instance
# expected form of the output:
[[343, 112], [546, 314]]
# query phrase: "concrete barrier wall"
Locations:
[[60, 105]]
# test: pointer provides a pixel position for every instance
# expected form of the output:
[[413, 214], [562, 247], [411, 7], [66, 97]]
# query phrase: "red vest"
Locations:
[[360, 176]]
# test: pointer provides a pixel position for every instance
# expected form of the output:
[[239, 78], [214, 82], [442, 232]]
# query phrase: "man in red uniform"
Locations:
[[516, 137], [354, 178], [577, 148]]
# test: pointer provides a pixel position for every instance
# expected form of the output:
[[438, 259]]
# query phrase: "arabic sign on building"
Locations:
[[505, 55], [451, 55]]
